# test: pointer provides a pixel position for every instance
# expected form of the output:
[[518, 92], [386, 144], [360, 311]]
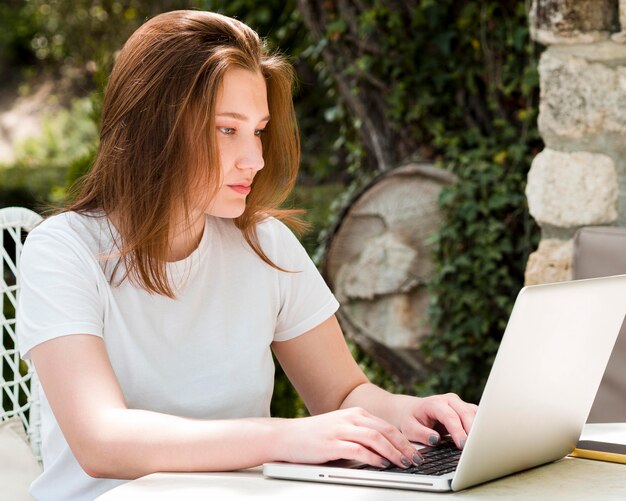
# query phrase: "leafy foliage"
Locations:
[[79, 40], [65, 135], [488, 140], [454, 82], [73, 34], [17, 29], [33, 187], [481, 255]]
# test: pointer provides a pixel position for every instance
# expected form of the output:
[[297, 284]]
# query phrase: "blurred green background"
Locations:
[[449, 82]]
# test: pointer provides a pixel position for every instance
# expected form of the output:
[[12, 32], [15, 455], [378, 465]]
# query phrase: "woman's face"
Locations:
[[241, 115]]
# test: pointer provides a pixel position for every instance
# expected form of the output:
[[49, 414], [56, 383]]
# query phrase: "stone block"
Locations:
[[609, 53], [573, 21], [579, 98], [551, 262], [385, 266], [572, 189], [394, 320]]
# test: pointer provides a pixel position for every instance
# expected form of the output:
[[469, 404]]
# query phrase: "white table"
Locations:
[[568, 479]]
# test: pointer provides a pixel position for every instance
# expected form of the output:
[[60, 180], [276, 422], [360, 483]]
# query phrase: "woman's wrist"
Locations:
[[279, 439]]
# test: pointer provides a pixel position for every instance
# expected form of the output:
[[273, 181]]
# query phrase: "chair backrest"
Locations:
[[19, 386], [601, 251]]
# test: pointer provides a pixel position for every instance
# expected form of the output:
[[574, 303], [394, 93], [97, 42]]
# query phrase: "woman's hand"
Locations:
[[323, 371], [346, 434], [425, 419]]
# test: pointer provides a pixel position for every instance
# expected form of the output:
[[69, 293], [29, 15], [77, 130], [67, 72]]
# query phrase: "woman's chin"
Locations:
[[227, 212]]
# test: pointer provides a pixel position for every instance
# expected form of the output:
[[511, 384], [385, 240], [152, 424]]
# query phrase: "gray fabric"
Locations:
[[18, 466], [601, 251]]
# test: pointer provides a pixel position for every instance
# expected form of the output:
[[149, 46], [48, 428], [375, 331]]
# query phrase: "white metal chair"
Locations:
[[19, 394]]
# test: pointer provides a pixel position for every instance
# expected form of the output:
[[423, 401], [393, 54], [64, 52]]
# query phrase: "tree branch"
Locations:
[[367, 106]]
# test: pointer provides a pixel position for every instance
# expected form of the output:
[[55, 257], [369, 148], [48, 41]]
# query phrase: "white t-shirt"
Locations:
[[205, 354]]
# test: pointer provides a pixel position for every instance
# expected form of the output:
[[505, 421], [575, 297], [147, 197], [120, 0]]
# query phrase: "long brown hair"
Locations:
[[157, 136]]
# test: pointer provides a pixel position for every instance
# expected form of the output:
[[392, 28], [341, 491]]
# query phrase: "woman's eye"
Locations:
[[259, 132], [228, 131]]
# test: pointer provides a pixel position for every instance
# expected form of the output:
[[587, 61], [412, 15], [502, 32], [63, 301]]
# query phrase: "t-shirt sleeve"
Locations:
[[59, 292], [305, 299]]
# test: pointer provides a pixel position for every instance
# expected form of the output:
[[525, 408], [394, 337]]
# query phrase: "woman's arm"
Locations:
[[111, 440], [323, 371]]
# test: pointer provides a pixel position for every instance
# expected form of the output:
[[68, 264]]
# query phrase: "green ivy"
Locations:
[[483, 246], [457, 84], [17, 29], [481, 253]]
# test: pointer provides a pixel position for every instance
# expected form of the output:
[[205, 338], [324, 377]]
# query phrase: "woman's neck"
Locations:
[[186, 238]]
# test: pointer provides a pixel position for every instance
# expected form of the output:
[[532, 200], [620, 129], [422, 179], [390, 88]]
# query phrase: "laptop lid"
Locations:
[[540, 389], [542, 384]]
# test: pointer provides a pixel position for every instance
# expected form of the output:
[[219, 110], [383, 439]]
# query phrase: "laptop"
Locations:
[[539, 392]]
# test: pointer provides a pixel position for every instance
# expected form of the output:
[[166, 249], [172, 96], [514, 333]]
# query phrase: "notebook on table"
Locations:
[[603, 442], [539, 392]]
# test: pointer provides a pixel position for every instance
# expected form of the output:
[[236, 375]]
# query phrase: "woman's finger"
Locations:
[[442, 414], [357, 452], [360, 417], [434, 413], [378, 442], [466, 412]]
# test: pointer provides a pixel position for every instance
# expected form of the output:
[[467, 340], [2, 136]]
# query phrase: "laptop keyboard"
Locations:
[[438, 460]]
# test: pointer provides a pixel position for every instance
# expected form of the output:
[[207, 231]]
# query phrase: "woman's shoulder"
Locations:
[[273, 228], [66, 223], [52, 227], [70, 228]]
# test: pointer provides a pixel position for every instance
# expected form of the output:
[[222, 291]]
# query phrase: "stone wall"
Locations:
[[579, 179]]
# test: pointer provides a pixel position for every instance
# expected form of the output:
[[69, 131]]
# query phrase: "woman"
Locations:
[[151, 305]]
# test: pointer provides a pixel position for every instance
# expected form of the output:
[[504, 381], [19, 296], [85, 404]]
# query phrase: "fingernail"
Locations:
[[433, 439], [462, 443], [405, 462], [417, 459], [385, 463]]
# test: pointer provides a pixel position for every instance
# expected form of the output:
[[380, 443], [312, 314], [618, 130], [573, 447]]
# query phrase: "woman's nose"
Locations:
[[252, 156]]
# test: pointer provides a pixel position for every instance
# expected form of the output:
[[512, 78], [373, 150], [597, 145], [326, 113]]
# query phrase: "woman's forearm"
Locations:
[[130, 443]]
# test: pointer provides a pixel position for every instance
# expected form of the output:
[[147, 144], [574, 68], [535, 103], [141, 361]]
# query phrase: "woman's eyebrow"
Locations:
[[239, 116]]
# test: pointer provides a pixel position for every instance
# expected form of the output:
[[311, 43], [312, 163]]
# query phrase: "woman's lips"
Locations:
[[242, 189]]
